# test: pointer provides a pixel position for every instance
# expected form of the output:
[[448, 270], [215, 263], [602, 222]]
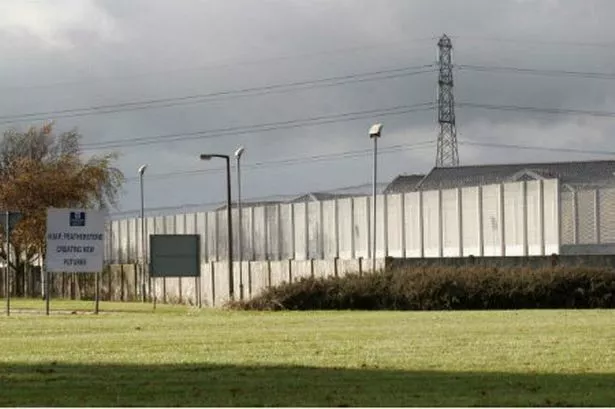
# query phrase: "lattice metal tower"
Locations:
[[448, 152]]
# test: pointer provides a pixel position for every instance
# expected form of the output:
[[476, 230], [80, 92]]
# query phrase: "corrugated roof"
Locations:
[[571, 173], [321, 196], [403, 183]]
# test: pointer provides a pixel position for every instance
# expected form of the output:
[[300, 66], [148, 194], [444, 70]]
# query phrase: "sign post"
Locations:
[[75, 243], [8, 222]]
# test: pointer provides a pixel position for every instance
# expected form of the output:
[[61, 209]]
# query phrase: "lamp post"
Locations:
[[374, 133], [238, 154], [229, 220], [143, 238]]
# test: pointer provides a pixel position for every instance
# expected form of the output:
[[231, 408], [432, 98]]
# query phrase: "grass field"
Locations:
[[179, 356]]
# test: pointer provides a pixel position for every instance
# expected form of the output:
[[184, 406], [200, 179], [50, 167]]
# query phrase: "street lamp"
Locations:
[[231, 283], [238, 154], [141, 171], [374, 133]]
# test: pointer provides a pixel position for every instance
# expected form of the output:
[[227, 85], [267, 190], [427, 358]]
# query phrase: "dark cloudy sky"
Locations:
[[61, 57]]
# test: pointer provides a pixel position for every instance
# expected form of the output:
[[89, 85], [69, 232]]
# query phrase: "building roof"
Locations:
[[321, 196], [574, 174], [403, 183], [246, 205]]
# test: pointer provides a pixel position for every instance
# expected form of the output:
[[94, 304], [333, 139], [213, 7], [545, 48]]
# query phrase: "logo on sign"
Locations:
[[77, 219]]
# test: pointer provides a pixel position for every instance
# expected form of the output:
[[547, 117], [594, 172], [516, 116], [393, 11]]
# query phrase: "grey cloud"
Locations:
[[173, 36]]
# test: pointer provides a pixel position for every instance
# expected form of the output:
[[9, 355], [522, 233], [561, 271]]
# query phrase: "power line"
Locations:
[[538, 42], [271, 126], [297, 160], [197, 98], [556, 111], [537, 148], [213, 66], [536, 71]]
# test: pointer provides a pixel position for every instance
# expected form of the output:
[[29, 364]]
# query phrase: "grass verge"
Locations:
[[181, 356]]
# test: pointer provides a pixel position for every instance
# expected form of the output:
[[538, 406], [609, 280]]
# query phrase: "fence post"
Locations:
[[402, 215], [459, 199], [597, 215], [575, 218], [421, 225], [502, 220], [352, 238], [213, 283], [440, 226], [524, 226], [290, 271], [541, 215]]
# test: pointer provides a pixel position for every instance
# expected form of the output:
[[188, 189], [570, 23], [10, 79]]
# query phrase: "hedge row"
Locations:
[[467, 288]]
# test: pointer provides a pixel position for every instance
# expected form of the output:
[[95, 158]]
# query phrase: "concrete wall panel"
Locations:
[[279, 273], [260, 276], [344, 228], [300, 269]]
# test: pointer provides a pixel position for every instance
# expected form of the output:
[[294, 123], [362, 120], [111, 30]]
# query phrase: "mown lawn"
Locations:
[[129, 356]]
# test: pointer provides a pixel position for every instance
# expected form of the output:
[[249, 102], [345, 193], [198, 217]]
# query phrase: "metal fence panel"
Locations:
[[300, 217], [361, 228], [431, 223], [345, 227], [315, 242], [260, 233], [470, 221], [552, 216], [201, 228], [491, 220], [212, 236], [413, 222], [273, 232], [450, 223], [286, 229], [329, 229], [222, 241], [514, 220], [586, 206], [395, 225], [534, 218], [607, 215]]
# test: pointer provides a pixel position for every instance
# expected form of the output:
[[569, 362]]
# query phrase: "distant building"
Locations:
[[572, 176], [246, 205], [322, 196]]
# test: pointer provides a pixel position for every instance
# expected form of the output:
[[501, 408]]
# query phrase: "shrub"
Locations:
[[444, 288]]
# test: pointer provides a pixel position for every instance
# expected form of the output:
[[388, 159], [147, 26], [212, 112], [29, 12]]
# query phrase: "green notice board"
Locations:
[[175, 255]]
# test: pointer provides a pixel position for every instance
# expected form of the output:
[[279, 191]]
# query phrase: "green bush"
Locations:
[[444, 288]]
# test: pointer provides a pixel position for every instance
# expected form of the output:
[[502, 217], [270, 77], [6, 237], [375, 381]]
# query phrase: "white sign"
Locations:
[[75, 240]]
